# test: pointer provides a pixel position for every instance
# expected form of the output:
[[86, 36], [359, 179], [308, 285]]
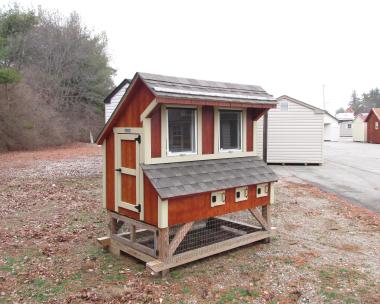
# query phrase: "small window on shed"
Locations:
[[349, 126], [376, 125], [284, 106]]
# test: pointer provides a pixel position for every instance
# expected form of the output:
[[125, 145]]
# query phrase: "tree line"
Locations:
[[55, 65], [364, 103]]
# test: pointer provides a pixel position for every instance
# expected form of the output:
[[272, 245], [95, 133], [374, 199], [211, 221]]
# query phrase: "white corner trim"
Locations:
[[148, 110], [244, 131], [104, 174], [147, 144], [162, 213]]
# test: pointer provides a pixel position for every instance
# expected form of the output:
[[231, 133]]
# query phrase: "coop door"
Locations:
[[128, 173]]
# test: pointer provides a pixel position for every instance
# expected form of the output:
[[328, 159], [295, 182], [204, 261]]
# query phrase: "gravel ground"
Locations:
[[325, 249]]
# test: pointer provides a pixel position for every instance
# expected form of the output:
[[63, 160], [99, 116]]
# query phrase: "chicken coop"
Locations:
[[181, 176]]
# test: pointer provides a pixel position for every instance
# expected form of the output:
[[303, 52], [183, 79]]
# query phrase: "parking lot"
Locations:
[[350, 170]]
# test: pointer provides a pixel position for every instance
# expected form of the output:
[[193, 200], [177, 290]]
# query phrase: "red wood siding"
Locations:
[[129, 116], [249, 130], [155, 124], [373, 135], [129, 213], [197, 207], [150, 203], [207, 130], [110, 172]]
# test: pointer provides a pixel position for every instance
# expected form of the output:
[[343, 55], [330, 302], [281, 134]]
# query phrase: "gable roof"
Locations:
[[185, 178], [166, 89], [346, 116], [332, 116], [167, 86], [115, 90], [375, 111], [301, 103]]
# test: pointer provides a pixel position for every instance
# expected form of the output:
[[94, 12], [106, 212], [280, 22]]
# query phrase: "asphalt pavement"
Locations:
[[350, 170]]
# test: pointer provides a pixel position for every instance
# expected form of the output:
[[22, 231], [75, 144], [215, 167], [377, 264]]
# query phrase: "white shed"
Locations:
[[113, 99], [331, 127], [345, 123], [295, 133], [359, 128]]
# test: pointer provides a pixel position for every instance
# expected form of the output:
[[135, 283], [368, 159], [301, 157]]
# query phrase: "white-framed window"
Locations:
[[181, 131], [349, 126], [230, 130], [376, 125], [284, 106]]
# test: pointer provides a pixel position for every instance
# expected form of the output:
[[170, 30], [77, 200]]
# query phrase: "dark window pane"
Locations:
[[230, 130], [181, 129]]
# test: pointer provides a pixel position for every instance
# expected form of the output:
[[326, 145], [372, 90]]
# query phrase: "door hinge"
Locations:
[[157, 252], [118, 170], [138, 207], [138, 139]]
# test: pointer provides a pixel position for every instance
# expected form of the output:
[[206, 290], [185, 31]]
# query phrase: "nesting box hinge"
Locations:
[[138, 207], [138, 139]]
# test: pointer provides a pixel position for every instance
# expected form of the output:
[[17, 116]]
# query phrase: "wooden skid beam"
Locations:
[[256, 213], [206, 251], [179, 236], [134, 245], [131, 251]]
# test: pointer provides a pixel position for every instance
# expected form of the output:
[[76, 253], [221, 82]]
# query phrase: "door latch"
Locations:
[[138, 207], [138, 139], [118, 170]]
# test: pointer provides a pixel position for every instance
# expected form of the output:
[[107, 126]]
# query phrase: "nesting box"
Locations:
[[179, 158]]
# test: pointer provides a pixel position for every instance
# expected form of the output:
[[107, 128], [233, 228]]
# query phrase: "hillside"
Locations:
[[54, 74]]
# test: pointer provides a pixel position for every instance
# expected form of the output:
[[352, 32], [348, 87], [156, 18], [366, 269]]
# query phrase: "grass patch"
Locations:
[[342, 284], [175, 274], [238, 295]]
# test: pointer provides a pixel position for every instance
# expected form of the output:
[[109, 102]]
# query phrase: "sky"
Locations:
[[287, 47]]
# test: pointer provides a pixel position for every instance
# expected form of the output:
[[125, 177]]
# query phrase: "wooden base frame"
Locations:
[[159, 251]]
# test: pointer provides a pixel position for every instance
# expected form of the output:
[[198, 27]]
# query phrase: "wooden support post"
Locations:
[[267, 214], [260, 218], [163, 246], [132, 234], [113, 226]]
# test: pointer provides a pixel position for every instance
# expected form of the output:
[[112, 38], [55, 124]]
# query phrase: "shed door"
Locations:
[[127, 172]]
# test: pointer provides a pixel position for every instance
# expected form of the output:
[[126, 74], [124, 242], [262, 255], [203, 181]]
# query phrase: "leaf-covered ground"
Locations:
[[325, 250]]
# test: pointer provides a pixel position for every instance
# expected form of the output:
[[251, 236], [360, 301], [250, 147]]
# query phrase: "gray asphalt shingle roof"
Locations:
[[167, 86], [184, 178]]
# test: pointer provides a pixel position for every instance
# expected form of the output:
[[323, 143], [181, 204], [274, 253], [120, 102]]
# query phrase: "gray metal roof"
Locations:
[[167, 86], [184, 178]]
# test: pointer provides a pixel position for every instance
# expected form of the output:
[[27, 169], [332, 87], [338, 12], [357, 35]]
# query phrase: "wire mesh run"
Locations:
[[213, 230]]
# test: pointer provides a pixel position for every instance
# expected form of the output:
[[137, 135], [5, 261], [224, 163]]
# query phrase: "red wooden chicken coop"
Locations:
[[180, 166]]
